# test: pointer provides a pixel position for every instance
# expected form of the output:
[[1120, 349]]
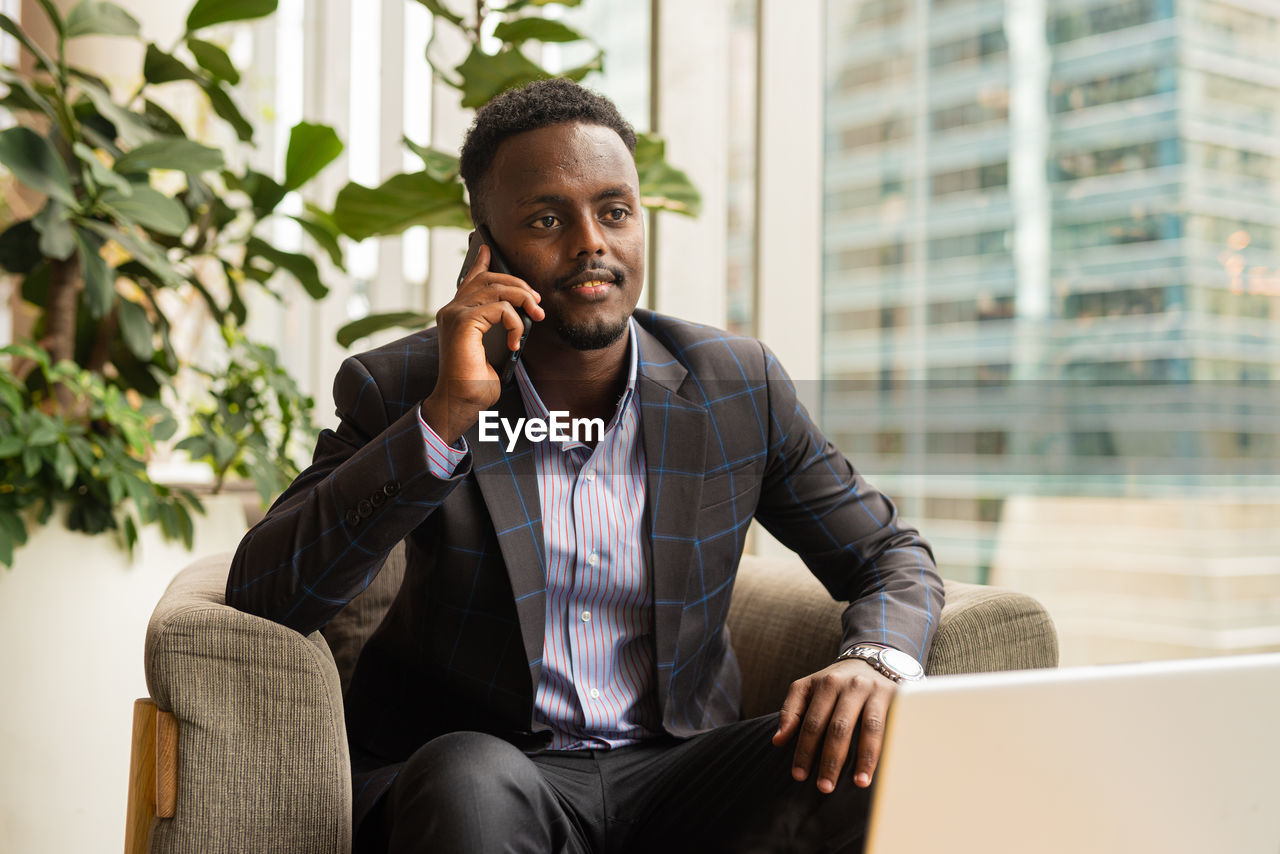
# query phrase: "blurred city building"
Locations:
[[1051, 301]]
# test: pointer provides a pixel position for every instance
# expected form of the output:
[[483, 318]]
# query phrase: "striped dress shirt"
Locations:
[[596, 688]]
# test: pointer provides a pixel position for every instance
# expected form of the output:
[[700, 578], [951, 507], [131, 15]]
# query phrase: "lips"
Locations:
[[590, 279]]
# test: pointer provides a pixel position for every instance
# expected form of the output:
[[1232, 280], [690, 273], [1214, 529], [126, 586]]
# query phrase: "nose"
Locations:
[[589, 237]]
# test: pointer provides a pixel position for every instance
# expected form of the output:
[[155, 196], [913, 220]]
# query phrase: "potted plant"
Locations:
[[134, 222], [256, 423], [137, 219]]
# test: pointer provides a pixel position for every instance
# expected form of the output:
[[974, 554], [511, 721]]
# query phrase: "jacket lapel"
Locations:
[[509, 484], [674, 432]]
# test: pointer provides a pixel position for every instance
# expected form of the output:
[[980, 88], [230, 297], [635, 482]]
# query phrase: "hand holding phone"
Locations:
[[497, 350], [475, 330]]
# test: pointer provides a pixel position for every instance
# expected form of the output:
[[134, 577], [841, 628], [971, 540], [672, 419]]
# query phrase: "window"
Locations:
[[983, 46], [883, 255], [873, 133], [1073, 165], [981, 243], [1113, 88], [1106, 18], [1117, 232], [1117, 303], [987, 177], [982, 309], [991, 106]]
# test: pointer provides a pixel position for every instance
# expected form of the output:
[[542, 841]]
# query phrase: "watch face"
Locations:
[[901, 663]]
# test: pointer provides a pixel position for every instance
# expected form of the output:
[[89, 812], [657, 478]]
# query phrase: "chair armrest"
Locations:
[[262, 749], [784, 625], [989, 628]]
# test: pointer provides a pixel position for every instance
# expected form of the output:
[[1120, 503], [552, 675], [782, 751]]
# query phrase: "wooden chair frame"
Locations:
[[153, 773]]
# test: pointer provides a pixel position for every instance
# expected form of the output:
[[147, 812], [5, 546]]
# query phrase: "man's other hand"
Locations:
[[824, 708]]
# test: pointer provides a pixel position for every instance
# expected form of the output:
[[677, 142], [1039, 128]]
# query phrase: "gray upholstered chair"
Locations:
[[261, 752]]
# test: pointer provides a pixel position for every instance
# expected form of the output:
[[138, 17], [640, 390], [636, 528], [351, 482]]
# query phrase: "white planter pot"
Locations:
[[73, 618]]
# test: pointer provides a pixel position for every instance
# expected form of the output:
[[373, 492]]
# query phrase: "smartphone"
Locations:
[[501, 357]]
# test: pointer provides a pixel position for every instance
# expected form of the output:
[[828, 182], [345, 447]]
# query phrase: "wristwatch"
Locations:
[[895, 664]]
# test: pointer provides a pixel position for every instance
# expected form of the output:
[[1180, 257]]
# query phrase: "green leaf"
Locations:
[[662, 186], [517, 5], [130, 126], [34, 162], [159, 120], [214, 60], [130, 533], [11, 446], [57, 238], [180, 154], [13, 527], [148, 208], [136, 329], [19, 252], [577, 74], [23, 96], [311, 148], [440, 165], [159, 67], [31, 459], [437, 8], [206, 13], [6, 544], [262, 190], [44, 433], [484, 76], [402, 202], [64, 465], [142, 249], [55, 17], [536, 29], [100, 174], [299, 266], [369, 324], [325, 238], [227, 110], [11, 27], [99, 283], [97, 17]]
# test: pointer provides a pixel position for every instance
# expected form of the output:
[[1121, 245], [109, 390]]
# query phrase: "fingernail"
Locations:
[[862, 779], [826, 786], [799, 774]]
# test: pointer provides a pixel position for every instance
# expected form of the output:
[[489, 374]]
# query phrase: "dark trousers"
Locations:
[[726, 790]]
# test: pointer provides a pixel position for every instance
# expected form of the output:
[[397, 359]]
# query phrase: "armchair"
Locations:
[[261, 760]]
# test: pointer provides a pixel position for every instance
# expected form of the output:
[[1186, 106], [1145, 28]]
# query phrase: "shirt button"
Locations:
[[593, 559], [591, 475], [595, 695], [586, 616]]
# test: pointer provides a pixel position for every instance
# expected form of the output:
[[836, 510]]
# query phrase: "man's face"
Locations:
[[563, 205]]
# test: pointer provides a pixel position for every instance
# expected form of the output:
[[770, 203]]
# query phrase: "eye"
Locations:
[[617, 214], [547, 221]]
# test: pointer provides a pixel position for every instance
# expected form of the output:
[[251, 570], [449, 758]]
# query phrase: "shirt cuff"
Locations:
[[442, 459]]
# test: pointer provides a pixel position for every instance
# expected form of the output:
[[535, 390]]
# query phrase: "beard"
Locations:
[[595, 334], [590, 336]]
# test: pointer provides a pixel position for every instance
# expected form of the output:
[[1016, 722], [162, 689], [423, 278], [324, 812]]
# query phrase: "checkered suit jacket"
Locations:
[[725, 440]]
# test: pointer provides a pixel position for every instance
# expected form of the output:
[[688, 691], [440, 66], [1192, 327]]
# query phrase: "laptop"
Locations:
[[1175, 757]]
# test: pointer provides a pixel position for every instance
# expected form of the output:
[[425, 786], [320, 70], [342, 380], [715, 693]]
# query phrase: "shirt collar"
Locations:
[[535, 408]]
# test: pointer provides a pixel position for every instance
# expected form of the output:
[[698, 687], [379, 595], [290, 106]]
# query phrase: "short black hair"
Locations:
[[539, 104]]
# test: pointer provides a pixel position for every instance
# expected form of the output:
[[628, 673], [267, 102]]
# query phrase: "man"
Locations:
[[555, 673]]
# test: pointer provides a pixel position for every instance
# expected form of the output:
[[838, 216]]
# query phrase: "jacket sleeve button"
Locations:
[[378, 499], [364, 508], [353, 518], [392, 487]]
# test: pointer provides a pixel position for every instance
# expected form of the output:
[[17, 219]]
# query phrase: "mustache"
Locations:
[[619, 276]]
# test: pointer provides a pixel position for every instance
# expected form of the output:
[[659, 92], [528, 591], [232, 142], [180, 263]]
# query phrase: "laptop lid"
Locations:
[[1179, 757]]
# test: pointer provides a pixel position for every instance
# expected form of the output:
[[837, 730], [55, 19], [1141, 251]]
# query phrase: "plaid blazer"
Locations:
[[725, 440]]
